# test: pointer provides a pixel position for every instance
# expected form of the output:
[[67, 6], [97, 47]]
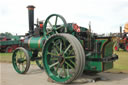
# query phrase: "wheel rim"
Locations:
[[39, 62], [59, 61], [53, 24], [20, 61]]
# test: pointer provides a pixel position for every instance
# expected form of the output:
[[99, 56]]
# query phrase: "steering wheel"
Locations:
[[54, 23]]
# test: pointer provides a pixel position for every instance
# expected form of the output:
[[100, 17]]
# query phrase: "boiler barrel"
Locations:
[[34, 43]]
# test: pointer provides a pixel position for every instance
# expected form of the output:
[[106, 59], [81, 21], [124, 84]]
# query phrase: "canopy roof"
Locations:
[[126, 27]]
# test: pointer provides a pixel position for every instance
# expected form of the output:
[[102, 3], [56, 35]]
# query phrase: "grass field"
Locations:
[[122, 62], [121, 65], [6, 57]]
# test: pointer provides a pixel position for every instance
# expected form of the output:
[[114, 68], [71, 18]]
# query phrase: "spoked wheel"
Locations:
[[126, 47], [39, 61], [20, 60], [9, 49], [63, 58], [54, 24]]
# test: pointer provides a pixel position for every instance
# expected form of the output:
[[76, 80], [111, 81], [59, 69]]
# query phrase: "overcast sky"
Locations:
[[105, 15]]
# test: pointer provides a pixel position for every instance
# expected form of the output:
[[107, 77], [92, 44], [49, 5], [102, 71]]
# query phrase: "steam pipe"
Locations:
[[31, 18]]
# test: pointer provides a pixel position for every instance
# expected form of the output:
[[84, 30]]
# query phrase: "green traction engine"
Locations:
[[64, 50]]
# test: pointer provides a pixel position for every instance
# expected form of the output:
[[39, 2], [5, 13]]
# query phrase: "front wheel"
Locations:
[[63, 58], [21, 60]]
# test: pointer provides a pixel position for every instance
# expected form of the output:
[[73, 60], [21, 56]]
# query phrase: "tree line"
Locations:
[[6, 34]]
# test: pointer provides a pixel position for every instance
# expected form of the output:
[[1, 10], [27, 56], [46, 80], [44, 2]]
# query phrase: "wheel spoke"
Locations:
[[56, 47], [22, 67], [56, 20], [64, 70], [50, 24], [59, 72], [59, 27], [57, 68], [24, 56], [72, 62], [49, 32], [70, 52], [67, 71], [69, 57], [56, 32], [56, 51], [16, 60], [69, 64], [53, 64], [60, 47], [64, 44], [67, 48], [19, 66], [53, 54], [20, 53], [54, 59], [39, 62]]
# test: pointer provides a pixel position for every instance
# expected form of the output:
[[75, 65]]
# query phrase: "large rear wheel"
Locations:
[[21, 60], [63, 58]]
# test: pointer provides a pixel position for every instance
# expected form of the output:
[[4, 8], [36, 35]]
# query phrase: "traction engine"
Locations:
[[64, 50], [122, 40]]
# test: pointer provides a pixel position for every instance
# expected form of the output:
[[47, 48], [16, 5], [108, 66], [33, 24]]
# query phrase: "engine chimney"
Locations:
[[31, 18], [120, 31]]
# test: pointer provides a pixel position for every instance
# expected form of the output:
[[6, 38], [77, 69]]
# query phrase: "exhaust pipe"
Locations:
[[120, 31], [31, 18]]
